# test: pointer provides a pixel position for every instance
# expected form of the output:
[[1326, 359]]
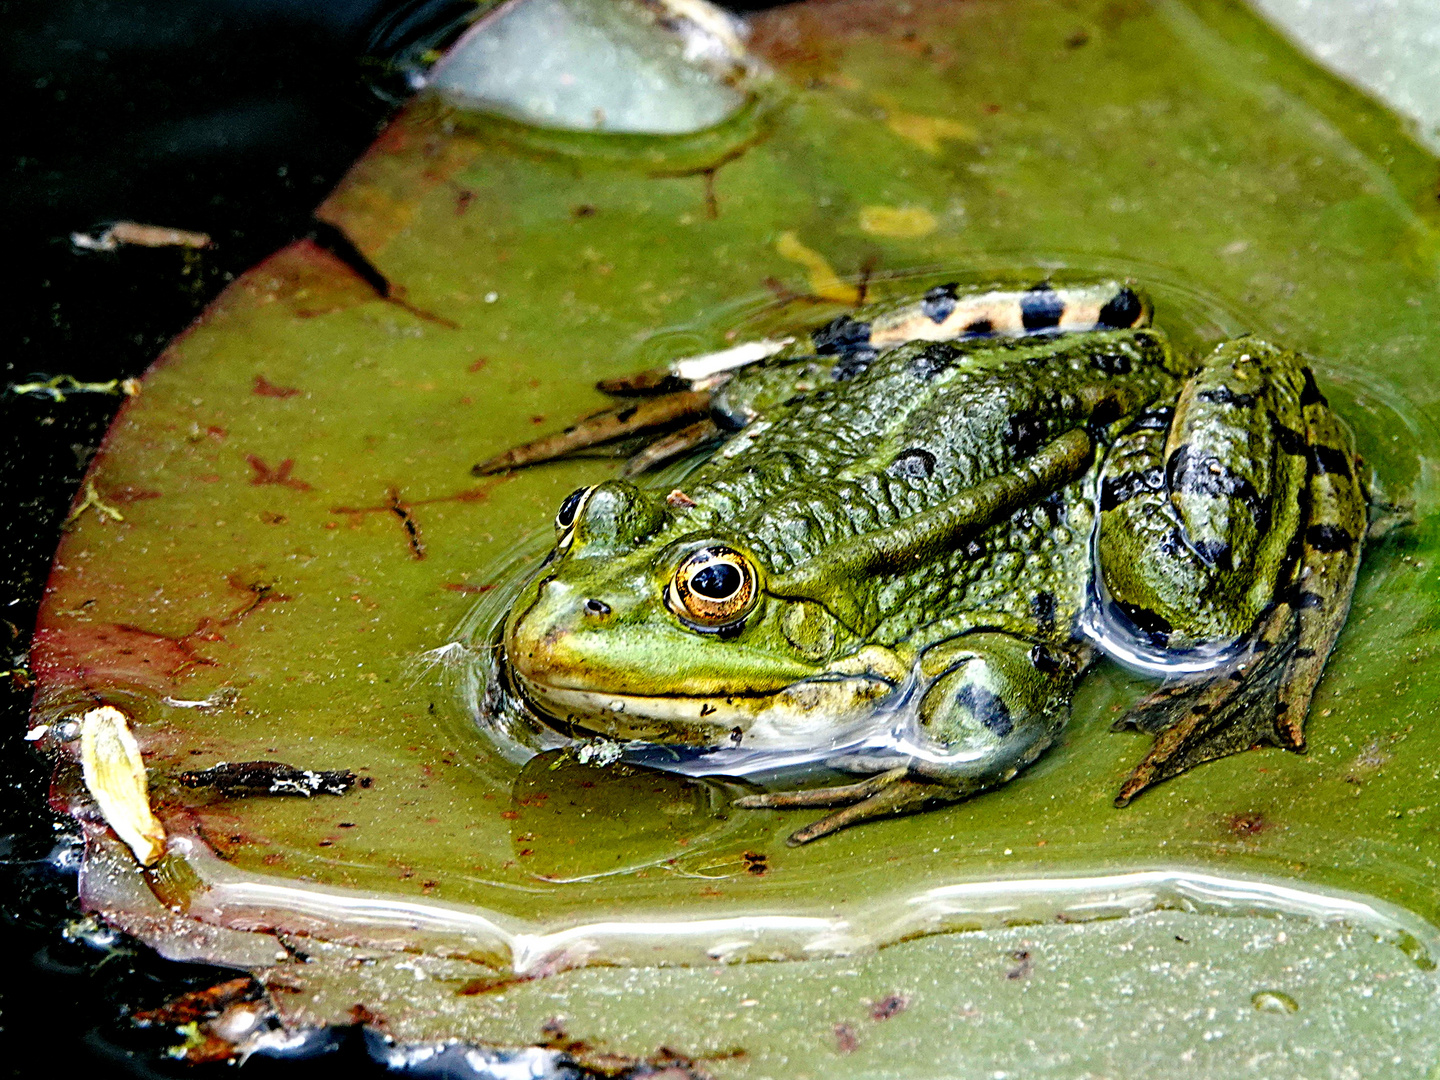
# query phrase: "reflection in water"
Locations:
[[572, 821]]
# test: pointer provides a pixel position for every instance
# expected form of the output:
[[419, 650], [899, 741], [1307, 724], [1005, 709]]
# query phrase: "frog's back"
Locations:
[[920, 424]]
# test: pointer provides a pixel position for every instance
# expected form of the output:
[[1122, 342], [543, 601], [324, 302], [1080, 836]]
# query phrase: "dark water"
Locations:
[[229, 117]]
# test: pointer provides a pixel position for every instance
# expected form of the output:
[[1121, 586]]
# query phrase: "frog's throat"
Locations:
[[798, 715]]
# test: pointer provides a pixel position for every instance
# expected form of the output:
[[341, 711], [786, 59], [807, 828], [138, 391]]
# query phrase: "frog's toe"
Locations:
[[841, 795], [888, 795], [1206, 720], [652, 415]]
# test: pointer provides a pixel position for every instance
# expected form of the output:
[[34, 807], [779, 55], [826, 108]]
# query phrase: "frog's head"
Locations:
[[640, 630]]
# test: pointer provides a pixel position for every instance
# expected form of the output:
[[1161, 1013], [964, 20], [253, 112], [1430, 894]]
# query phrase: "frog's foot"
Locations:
[[1200, 720], [668, 447], [887, 795], [1263, 698], [649, 415]]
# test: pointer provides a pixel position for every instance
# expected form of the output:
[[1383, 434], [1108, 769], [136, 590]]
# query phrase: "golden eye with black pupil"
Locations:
[[570, 509], [713, 587]]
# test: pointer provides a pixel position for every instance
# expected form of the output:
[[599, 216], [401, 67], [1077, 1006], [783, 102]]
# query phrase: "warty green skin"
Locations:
[[929, 522]]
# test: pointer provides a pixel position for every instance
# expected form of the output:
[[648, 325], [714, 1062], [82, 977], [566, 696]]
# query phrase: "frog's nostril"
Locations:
[[596, 607]]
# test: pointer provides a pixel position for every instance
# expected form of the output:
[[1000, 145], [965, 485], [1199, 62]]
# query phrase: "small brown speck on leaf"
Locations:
[[265, 388], [1023, 964], [1248, 824], [886, 1007], [845, 1039]]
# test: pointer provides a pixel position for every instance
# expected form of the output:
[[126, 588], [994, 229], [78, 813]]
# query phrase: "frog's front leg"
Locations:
[[992, 703]]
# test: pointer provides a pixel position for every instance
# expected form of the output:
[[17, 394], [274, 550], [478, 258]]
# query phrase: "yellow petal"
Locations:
[[115, 774], [824, 282], [900, 222]]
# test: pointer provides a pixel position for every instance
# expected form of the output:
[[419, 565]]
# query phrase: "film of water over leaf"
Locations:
[[281, 555]]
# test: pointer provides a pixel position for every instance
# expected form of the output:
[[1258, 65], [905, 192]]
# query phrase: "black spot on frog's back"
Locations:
[[1223, 395], [1327, 460], [1041, 308], [1193, 472], [1123, 309], [933, 360], [853, 363], [1290, 441], [1153, 419], [1329, 538], [916, 463], [1110, 361], [1054, 507], [939, 302], [840, 335], [1023, 434], [1310, 393], [1118, 490]]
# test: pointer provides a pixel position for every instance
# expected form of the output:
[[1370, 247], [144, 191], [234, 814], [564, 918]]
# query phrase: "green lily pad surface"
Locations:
[[282, 536]]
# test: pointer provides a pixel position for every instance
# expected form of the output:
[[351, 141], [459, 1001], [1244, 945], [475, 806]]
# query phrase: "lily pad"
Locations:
[[284, 528]]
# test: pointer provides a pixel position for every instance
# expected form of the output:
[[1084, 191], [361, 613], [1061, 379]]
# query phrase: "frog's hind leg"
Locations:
[[945, 313], [1262, 695], [674, 405], [1202, 719], [1329, 562]]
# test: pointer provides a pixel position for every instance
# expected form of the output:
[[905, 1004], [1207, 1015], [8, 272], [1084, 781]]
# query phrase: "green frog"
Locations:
[[936, 511]]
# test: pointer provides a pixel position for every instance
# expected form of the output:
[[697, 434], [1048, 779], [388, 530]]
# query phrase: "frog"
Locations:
[[941, 510]]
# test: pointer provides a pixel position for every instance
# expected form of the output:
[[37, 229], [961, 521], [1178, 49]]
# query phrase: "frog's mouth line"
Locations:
[[676, 708], [782, 718]]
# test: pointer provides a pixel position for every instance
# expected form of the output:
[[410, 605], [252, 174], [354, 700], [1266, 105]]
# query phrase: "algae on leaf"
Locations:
[[298, 527]]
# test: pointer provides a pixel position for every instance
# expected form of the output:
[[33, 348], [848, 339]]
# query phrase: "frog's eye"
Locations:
[[570, 509], [713, 587]]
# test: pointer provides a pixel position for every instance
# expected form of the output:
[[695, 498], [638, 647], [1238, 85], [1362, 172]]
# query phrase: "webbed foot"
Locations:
[[1200, 720], [887, 795], [654, 414]]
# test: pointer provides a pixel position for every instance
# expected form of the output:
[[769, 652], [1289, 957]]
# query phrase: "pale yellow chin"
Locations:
[[803, 714]]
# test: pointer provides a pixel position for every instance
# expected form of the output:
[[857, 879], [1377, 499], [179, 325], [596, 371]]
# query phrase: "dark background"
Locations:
[[228, 117]]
